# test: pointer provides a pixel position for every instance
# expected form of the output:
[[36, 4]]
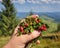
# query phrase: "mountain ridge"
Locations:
[[53, 15]]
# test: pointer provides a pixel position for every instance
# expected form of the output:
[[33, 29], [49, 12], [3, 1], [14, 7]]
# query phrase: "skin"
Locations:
[[20, 41]]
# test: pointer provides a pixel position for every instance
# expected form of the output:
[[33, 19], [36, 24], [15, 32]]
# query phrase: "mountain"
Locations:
[[53, 15]]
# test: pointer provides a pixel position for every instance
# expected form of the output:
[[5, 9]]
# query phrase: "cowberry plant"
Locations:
[[31, 23]]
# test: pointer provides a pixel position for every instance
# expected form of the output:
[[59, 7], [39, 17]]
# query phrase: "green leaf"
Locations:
[[32, 30], [43, 32], [39, 24]]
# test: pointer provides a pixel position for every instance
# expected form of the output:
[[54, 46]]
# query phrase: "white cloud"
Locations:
[[55, 1], [21, 1], [31, 1], [34, 1], [43, 1], [0, 0], [18, 1], [51, 1], [14, 1], [46, 1]]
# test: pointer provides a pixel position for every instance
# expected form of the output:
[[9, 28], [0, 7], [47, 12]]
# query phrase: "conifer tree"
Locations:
[[8, 18]]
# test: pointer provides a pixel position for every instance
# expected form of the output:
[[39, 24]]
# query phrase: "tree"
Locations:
[[31, 12], [9, 8], [8, 18]]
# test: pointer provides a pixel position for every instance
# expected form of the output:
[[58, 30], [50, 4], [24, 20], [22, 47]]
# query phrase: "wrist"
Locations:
[[7, 45]]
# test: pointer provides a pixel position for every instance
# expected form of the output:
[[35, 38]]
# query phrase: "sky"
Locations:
[[35, 5]]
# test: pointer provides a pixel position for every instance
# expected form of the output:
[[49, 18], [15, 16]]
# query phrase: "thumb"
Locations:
[[16, 31]]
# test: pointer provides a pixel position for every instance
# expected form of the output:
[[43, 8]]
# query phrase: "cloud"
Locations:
[[55, 1], [34, 1], [0, 0], [43, 1], [14, 1], [31, 1], [46, 1], [18, 1], [21, 1], [51, 1], [37, 1]]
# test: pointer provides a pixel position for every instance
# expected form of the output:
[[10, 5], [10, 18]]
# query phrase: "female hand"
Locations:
[[20, 41]]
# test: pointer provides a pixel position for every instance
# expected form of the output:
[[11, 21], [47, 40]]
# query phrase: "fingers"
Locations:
[[32, 36], [16, 31]]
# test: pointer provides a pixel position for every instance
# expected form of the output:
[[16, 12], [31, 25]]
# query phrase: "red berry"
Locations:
[[21, 29], [41, 28], [45, 29], [44, 25], [36, 21], [38, 42], [26, 24]]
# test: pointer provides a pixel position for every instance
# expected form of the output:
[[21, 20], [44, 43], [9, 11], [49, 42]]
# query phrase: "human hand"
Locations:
[[20, 41]]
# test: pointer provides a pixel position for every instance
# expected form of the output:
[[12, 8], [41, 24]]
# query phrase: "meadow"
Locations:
[[45, 43]]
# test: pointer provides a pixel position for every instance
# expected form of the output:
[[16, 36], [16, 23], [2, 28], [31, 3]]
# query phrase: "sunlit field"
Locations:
[[45, 43]]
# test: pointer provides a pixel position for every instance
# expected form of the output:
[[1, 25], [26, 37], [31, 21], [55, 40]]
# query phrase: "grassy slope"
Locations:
[[50, 22], [48, 43], [45, 43], [3, 41]]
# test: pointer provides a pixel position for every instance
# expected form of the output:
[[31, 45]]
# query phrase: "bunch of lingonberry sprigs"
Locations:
[[31, 23]]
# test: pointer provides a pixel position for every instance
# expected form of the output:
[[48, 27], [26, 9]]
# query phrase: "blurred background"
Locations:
[[12, 11]]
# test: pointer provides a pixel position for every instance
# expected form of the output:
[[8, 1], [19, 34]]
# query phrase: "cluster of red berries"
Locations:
[[32, 23], [22, 29], [43, 27]]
